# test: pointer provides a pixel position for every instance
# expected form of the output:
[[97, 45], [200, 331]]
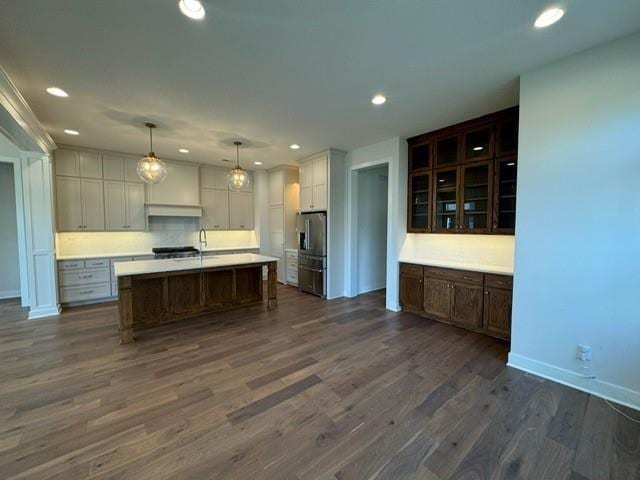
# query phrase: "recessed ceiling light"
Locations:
[[257, 163], [57, 92], [71, 132], [549, 17], [441, 180], [379, 100], [183, 150], [294, 146], [477, 149], [511, 164], [192, 9]]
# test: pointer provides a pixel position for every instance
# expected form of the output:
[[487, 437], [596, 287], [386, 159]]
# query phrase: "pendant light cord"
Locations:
[[151, 138], [237, 155]]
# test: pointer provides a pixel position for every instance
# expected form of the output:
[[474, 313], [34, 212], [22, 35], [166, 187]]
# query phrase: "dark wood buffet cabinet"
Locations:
[[462, 179], [477, 301]]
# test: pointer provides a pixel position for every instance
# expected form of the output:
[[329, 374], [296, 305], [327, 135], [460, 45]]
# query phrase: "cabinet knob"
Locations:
[[486, 292]]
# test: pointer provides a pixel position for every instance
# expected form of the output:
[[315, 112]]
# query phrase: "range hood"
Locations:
[[164, 210]]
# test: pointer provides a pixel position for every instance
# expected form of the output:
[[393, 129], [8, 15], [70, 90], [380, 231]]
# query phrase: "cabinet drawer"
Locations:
[[114, 289], [409, 269], [97, 263], [456, 275], [292, 266], [84, 277], [82, 293], [498, 281], [70, 264], [292, 255]]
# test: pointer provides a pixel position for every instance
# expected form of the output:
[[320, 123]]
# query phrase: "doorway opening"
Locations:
[[10, 286], [369, 218]]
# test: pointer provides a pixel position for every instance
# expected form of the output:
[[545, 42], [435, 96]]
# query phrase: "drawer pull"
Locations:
[[86, 292], [86, 276]]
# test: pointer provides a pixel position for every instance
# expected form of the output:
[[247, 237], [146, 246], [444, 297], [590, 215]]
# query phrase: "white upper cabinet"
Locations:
[[67, 163], [313, 183], [120, 168], [124, 206], [134, 195], [113, 168], [213, 177], [115, 205], [90, 165], [68, 200], [276, 188], [215, 211], [181, 187], [92, 204], [240, 210]]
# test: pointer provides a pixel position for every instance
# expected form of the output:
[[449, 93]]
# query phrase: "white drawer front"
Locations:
[[114, 289], [71, 278], [82, 293], [292, 256], [70, 264], [292, 267], [96, 263]]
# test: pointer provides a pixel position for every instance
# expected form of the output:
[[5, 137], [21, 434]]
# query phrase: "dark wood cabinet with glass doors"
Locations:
[[462, 179]]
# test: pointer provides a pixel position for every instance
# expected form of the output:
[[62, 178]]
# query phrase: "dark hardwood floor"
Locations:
[[313, 390]]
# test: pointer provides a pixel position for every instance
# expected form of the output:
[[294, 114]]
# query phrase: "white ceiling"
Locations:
[[275, 72]]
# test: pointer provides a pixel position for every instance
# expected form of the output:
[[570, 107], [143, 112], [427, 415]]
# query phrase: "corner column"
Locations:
[[125, 307], [272, 279]]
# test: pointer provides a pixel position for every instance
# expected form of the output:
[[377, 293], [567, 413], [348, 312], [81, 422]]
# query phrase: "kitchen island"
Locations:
[[154, 292]]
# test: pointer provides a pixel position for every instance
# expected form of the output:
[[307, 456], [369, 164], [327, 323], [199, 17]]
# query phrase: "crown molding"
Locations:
[[18, 122]]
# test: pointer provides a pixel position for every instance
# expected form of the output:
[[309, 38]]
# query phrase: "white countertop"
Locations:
[[89, 256], [472, 267], [176, 264]]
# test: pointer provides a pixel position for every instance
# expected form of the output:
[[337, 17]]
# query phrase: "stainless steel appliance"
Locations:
[[174, 252], [312, 253]]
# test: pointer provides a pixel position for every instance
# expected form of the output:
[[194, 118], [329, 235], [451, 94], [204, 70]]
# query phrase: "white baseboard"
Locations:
[[371, 289], [44, 312], [599, 388], [9, 294]]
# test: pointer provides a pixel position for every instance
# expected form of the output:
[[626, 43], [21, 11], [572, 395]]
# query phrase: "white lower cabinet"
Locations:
[[84, 280]]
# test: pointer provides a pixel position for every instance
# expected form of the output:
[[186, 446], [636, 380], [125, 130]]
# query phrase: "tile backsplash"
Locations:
[[163, 232], [497, 250]]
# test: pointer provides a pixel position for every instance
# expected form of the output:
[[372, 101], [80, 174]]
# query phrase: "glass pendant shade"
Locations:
[[151, 169], [238, 177]]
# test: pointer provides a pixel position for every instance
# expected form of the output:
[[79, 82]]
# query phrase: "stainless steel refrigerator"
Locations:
[[312, 253]]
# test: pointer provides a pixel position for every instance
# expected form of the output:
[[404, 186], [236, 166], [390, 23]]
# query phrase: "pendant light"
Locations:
[[238, 177], [150, 168]]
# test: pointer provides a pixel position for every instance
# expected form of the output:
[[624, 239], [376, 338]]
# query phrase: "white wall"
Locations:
[[372, 228], [577, 254], [10, 271]]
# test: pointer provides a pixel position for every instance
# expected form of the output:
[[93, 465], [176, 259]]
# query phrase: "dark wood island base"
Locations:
[[152, 299]]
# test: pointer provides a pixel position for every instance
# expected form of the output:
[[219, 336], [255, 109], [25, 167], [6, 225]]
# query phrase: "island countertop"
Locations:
[[142, 267]]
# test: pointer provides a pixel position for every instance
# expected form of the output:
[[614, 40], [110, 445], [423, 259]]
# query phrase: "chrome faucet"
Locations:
[[202, 238]]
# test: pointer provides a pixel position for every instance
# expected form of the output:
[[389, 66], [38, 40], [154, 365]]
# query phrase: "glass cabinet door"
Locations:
[[446, 199], [476, 197], [478, 144], [420, 202], [505, 210], [447, 151], [420, 157], [507, 136]]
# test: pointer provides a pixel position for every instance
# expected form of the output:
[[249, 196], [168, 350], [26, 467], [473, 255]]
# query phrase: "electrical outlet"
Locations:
[[585, 353]]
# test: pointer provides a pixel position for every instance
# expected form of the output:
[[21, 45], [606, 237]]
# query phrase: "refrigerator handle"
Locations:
[[307, 237]]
